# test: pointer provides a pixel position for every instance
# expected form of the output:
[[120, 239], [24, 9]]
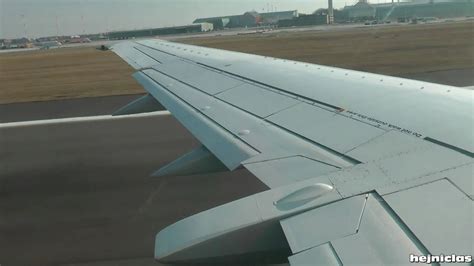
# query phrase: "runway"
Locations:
[[80, 193]]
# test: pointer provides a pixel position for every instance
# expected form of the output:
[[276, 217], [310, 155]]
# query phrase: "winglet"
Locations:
[[144, 104], [198, 161]]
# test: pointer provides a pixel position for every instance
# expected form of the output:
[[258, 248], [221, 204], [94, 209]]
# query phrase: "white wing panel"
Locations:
[[321, 225], [323, 255], [398, 171], [421, 162], [462, 177], [157, 54], [257, 100], [327, 128], [134, 57], [380, 240], [439, 214], [199, 77], [279, 172], [387, 145], [392, 100]]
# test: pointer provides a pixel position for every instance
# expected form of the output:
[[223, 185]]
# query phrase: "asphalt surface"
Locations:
[[453, 77], [63, 108], [80, 193]]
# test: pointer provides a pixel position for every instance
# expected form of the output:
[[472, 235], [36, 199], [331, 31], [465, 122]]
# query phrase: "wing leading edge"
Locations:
[[355, 161]]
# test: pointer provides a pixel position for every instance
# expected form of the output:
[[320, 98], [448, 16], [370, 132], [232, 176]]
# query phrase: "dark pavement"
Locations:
[[454, 77], [80, 193], [63, 108]]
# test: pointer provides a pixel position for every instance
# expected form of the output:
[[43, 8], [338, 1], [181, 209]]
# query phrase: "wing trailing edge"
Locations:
[[197, 161], [144, 104]]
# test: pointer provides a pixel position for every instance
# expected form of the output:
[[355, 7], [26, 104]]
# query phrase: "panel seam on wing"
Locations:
[[246, 79], [290, 156], [327, 149], [433, 181], [201, 113], [136, 48]]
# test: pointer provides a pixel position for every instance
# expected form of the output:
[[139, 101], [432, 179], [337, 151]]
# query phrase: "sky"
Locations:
[[36, 18]]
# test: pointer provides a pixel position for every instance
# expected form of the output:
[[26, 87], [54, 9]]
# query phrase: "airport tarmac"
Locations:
[[454, 77], [91, 106], [80, 193]]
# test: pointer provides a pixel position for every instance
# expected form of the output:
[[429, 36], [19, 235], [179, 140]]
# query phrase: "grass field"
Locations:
[[63, 73], [393, 50]]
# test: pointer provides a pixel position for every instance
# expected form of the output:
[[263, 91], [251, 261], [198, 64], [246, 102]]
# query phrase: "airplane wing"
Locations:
[[361, 168]]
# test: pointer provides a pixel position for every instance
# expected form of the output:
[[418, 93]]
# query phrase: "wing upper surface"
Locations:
[[406, 105], [283, 109], [293, 123]]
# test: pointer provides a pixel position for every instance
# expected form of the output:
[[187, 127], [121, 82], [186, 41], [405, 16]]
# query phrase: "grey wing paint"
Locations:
[[362, 168]]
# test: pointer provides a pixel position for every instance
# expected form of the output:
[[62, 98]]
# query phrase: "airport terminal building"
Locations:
[[414, 9]]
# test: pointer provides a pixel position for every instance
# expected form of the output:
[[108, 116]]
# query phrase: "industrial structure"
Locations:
[[364, 10], [361, 11], [248, 19], [397, 10], [330, 12], [193, 28], [305, 20], [16, 43]]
